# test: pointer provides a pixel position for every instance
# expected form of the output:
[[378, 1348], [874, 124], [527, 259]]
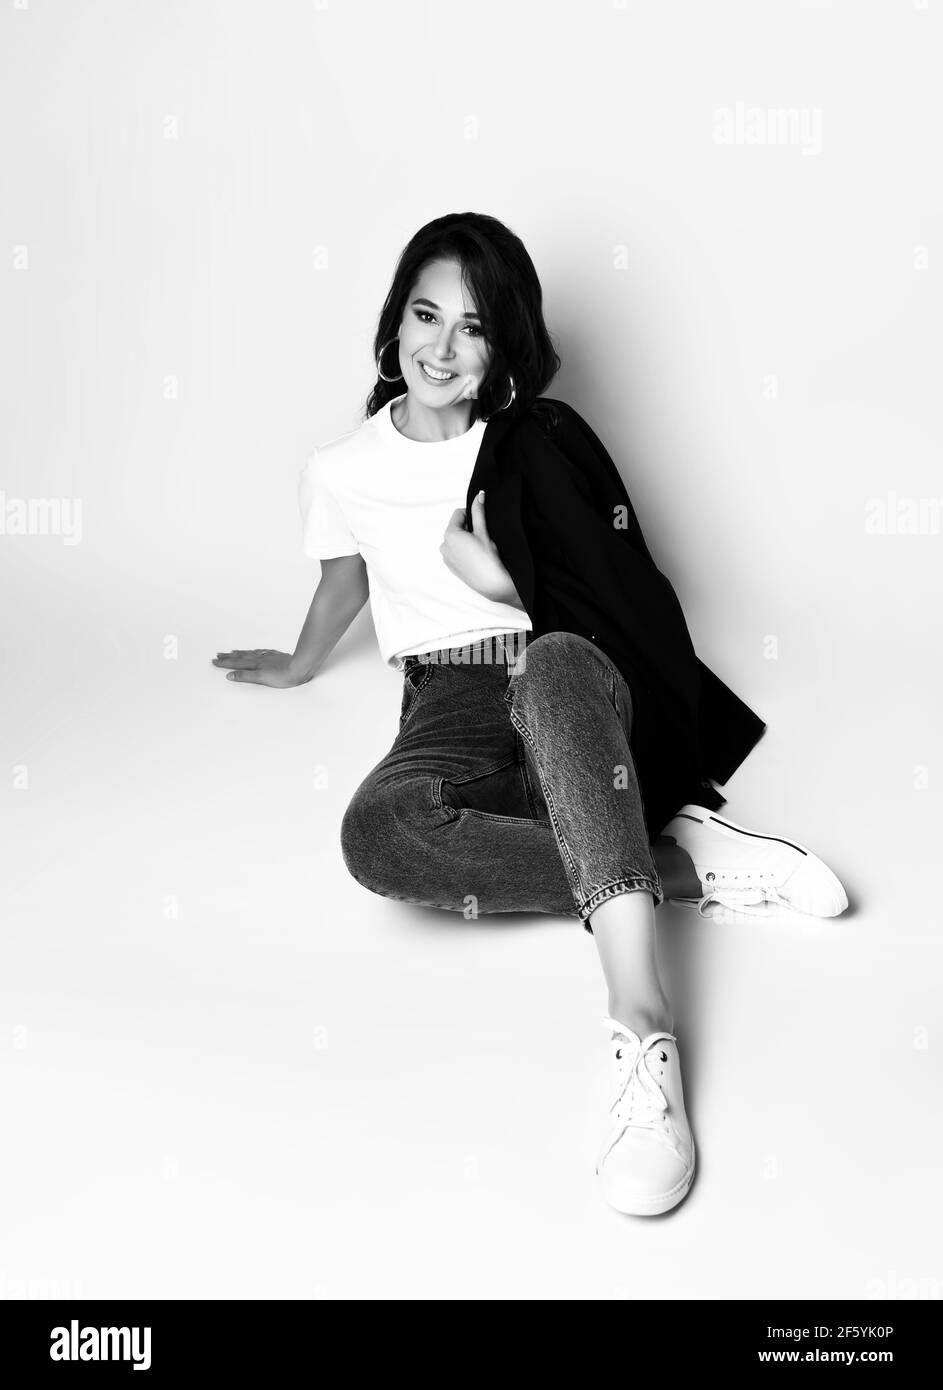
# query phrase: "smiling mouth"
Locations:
[[432, 375]]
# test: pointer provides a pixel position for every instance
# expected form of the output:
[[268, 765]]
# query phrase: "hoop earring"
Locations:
[[511, 399], [380, 362]]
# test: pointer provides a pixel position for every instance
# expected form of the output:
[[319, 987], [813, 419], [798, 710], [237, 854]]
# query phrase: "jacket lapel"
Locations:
[[502, 487]]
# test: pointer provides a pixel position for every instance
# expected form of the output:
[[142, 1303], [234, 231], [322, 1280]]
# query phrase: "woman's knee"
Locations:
[[556, 654], [567, 675], [374, 835], [357, 832]]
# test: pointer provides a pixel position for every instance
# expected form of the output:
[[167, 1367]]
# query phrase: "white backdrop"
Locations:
[[224, 1059]]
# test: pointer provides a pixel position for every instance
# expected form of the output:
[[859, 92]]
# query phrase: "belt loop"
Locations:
[[506, 655], [518, 647]]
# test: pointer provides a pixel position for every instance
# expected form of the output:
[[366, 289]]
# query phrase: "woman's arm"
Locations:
[[338, 599]]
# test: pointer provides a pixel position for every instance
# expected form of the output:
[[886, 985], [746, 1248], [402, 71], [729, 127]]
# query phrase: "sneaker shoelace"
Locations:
[[751, 900], [640, 1102]]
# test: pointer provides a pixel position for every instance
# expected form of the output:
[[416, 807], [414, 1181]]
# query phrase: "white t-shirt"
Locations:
[[374, 491]]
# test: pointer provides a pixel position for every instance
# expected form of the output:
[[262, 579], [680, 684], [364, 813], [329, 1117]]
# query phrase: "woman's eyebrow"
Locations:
[[435, 306]]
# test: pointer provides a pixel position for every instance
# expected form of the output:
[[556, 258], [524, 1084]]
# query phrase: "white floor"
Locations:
[[230, 1071]]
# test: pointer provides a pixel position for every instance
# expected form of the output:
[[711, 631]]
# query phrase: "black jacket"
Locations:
[[579, 565]]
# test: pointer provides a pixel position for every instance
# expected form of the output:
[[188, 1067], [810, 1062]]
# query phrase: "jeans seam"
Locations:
[[571, 868], [525, 777], [615, 677], [480, 772], [632, 882], [495, 815], [417, 690], [520, 753], [454, 812]]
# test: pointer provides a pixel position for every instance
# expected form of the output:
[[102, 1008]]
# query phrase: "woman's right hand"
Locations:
[[261, 666]]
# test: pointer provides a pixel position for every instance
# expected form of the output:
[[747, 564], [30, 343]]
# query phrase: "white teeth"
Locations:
[[436, 376]]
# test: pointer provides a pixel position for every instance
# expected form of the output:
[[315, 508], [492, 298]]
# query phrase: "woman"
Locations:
[[511, 784]]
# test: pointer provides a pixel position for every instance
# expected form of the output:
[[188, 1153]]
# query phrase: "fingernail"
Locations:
[[481, 495], [230, 675]]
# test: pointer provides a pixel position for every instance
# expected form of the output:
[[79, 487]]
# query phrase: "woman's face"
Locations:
[[441, 330]]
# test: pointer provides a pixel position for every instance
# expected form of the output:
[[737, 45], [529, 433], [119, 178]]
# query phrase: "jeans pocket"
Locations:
[[415, 679]]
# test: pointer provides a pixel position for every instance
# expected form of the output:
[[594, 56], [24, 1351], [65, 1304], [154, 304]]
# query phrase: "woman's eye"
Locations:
[[424, 314]]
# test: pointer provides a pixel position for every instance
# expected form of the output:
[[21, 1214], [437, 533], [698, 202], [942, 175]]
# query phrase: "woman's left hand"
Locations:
[[473, 555]]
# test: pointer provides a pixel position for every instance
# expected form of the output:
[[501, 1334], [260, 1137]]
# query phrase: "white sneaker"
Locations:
[[749, 871], [646, 1161]]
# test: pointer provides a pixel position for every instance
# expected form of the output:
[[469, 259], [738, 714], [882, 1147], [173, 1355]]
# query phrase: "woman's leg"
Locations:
[[574, 711], [624, 930], [453, 816], [448, 818]]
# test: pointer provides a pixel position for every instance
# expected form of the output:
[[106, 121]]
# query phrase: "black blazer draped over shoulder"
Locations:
[[566, 531]]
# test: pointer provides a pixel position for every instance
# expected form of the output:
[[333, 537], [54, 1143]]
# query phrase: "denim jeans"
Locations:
[[510, 786]]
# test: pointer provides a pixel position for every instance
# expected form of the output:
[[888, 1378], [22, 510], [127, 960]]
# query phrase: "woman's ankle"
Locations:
[[643, 1017]]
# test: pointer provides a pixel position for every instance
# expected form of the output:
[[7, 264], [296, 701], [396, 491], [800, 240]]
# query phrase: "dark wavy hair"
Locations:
[[502, 281]]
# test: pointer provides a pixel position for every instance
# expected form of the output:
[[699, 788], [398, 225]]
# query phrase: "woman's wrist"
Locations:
[[507, 593], [301, 667]]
